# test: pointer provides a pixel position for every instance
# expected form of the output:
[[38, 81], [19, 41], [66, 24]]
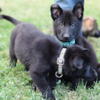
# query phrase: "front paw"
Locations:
[[48, 96], [90, 85], [51, 98], [73, 88]]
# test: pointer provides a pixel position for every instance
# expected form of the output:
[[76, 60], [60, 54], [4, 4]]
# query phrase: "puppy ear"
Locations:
[[56, 11], [78, 10], [84, 50]]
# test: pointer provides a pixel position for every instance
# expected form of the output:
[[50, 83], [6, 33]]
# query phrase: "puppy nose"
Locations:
[[66, 37]]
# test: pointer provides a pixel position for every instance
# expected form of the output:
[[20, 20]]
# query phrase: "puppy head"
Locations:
[[75, 58], [81, 61], [78, 60], [67, 24]]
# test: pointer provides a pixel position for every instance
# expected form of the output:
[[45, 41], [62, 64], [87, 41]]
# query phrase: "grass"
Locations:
[[14, 82]]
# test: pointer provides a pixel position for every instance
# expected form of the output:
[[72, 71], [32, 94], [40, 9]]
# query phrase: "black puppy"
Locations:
[[38, 52], [67, 27], [81, 66]]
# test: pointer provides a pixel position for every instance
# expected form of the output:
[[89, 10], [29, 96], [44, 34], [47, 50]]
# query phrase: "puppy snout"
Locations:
[[66, 37]]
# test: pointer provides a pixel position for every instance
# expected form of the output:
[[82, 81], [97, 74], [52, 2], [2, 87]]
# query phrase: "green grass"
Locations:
[[14, 82]]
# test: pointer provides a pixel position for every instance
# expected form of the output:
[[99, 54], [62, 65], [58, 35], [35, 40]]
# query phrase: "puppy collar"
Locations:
[[67, 44]]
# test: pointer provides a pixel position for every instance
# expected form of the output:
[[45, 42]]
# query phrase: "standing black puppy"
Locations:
[[38, 53]]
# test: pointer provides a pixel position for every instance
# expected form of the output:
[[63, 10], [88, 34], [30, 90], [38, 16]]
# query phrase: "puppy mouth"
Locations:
[[60, 38], [64, 40]]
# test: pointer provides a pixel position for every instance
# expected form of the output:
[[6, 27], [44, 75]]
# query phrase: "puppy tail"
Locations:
[[11, 19]]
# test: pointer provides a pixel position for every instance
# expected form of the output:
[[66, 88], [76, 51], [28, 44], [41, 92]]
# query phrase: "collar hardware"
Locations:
[[60, 59], [60, 63]]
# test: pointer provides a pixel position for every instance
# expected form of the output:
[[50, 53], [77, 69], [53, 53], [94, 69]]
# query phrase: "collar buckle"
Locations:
[[60, 63]]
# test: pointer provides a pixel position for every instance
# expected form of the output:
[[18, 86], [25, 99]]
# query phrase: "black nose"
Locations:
[[66, 37]]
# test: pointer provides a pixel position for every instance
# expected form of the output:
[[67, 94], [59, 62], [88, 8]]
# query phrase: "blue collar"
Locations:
[[67, 44]]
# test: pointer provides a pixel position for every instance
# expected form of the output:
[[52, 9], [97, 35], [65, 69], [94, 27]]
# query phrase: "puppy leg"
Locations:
[[39, 78], [13, 58], [34, 87], [52, 80], [74, 84], [89, 84], [26, 67]]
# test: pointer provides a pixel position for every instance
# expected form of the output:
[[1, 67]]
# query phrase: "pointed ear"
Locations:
[[78, 10], [56, 11], [84, 50]]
